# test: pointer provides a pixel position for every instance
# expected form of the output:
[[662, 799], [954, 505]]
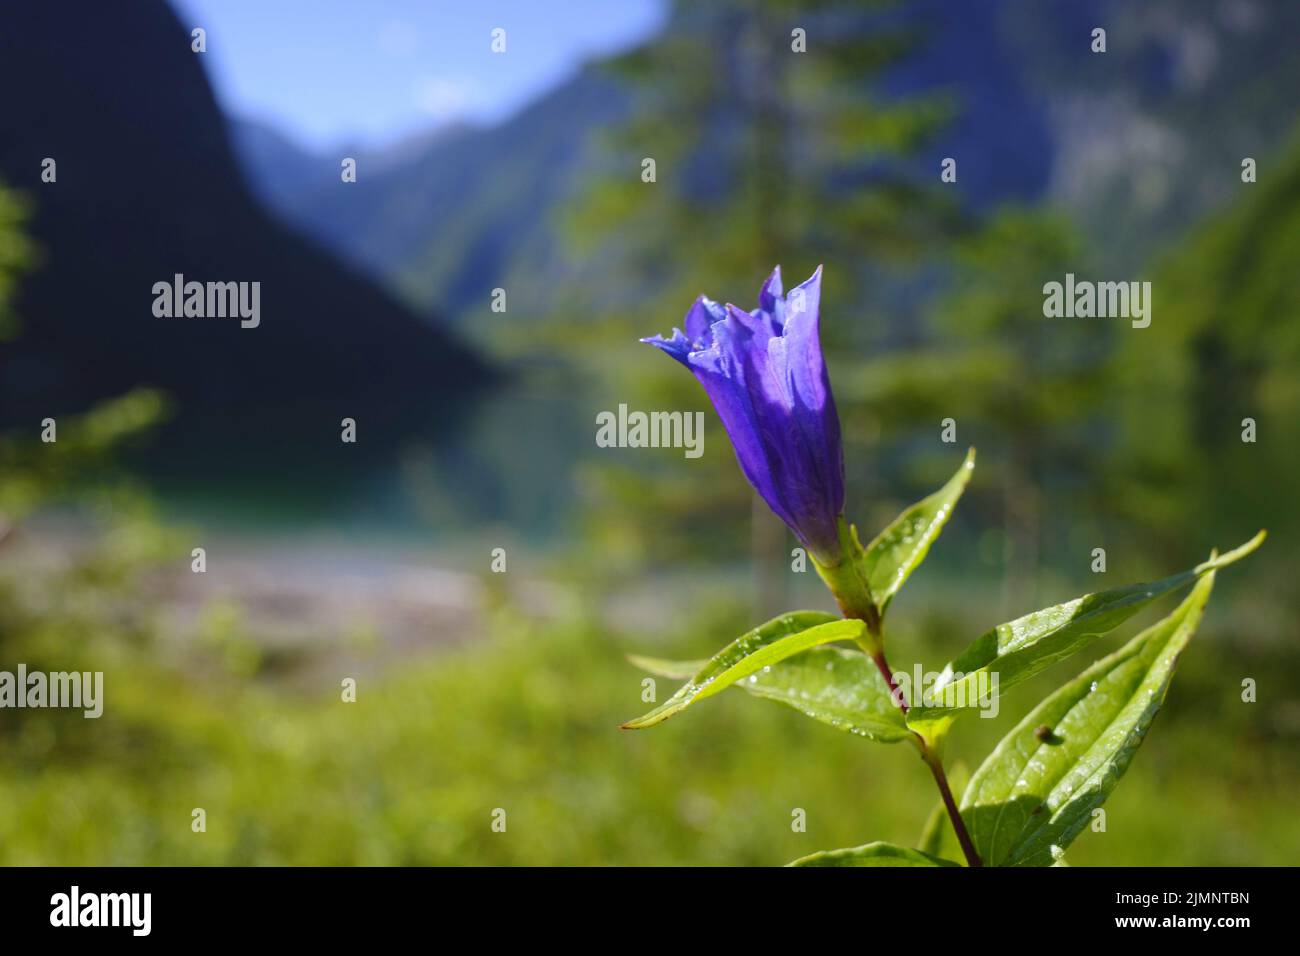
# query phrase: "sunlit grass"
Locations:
[[525, 720]]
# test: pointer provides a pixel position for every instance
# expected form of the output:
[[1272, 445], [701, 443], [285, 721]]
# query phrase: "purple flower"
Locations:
[[764, 373]]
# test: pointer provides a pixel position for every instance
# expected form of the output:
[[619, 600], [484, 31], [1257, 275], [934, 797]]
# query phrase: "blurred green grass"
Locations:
[[525, 718]]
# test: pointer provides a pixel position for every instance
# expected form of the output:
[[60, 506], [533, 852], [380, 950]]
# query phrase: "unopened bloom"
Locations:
[[764, 372]]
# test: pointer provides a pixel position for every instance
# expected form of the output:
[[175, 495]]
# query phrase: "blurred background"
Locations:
[[522, 171]]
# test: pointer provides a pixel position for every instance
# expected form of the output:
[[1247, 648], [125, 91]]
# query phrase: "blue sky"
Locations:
[[326, 72]]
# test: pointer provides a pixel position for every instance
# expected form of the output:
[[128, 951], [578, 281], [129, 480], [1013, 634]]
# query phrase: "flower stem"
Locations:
[[932, 761], [848, 583], [895, 694]]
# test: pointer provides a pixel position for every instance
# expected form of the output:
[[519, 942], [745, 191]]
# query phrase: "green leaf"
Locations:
[[897, 551], [1014, 652], [835, 685], [938, 837], [873, 854], [774, 641], [1037, 790], [662, 667]]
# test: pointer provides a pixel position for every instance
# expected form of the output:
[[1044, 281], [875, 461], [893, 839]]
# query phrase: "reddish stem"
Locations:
[[898, 696], [959, 826], [936, 767]]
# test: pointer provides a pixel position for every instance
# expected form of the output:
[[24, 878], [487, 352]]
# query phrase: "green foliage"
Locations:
[[1021, 648], [873, 854], [761, 648], [835, 685], [1030, 388], [34, 473], [897, 551], [15, 256], [523, 717], [1038, 789], [1034, 794], [1224, 347]]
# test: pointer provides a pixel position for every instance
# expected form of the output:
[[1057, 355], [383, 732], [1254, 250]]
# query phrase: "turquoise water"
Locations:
[[507, 463]]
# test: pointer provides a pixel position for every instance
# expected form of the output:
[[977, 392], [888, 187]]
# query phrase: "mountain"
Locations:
[[481, 208], [1130, 141], [283, 167], [443, 221], [289, 178], [1149, 136], [147, 188]]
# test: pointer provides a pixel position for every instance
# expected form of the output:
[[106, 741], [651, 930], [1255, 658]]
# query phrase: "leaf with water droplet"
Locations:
[[1018, 650], [778, 639], [1032, 797], [898, 550], [838, 686]]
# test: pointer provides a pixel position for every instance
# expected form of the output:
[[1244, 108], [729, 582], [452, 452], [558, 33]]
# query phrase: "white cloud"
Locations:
[[441, 97]]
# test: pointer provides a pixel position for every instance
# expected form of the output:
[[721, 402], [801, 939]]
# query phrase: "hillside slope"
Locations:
[[148, 187]]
